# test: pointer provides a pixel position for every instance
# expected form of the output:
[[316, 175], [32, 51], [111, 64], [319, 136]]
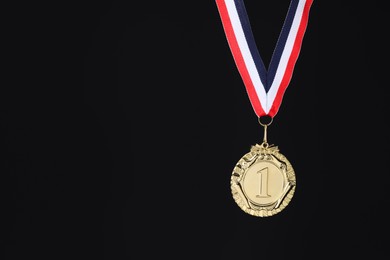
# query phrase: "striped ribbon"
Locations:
[[265, 88]]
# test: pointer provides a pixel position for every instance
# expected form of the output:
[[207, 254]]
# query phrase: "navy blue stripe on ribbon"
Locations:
[[246, 27], [281, 43], [266, 77]]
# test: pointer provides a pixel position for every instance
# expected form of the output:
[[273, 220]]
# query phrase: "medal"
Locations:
[[263, 181]]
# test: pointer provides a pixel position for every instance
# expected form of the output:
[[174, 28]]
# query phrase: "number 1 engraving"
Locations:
[[263, 183]]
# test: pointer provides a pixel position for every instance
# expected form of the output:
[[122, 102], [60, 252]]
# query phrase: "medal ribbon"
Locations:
[[265, 88]]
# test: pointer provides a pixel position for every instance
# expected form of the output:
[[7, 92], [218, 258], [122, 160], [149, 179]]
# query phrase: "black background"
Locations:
[[121, 123]]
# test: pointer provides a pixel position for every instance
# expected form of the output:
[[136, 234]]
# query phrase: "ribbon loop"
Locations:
[[265, 88]]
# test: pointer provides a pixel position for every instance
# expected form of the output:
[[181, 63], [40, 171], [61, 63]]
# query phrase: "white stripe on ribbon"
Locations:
[[271, 94], [246, 54]]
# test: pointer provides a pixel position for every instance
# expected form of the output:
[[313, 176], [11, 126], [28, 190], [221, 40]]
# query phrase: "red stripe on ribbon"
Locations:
[[239, 60], [292, 60]]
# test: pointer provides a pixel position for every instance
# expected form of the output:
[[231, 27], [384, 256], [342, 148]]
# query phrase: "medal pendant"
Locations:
[[263, 181]]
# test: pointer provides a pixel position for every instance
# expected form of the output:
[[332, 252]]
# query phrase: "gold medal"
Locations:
[[263, 180]]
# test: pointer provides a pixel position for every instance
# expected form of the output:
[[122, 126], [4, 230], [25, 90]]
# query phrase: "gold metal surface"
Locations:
[[263, 180]]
